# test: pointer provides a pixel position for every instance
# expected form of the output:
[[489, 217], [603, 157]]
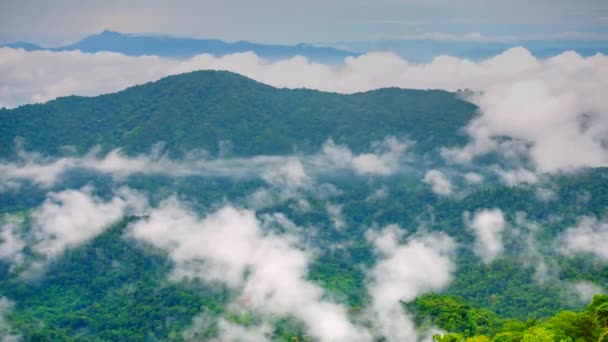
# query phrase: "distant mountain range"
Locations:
[[139, 45], [412, 50]]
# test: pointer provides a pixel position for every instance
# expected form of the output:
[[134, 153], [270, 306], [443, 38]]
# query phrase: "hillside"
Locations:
[[199, 109], [305, 207]]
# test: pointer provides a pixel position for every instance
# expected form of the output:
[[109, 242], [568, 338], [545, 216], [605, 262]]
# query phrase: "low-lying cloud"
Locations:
[[405, 270], [72, 217], [585, 290], [40, 76], [488, 226], [268, 270], [66, 219], [555, 109], [589, 237], [334, 211], [286, 172], [439, 182], [230, 246], [12, 243]]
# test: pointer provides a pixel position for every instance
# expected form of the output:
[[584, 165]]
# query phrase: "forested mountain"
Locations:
[[283, 214], [199, 109]]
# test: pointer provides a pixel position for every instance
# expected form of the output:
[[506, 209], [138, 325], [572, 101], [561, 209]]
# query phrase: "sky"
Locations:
[[60, 22]]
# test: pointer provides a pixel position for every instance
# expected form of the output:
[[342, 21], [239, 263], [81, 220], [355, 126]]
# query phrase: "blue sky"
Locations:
[[284, 21]]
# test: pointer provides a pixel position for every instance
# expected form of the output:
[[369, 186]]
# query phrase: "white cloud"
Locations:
[[439, 182], [231, 247], [334, 211], [545, 268], [286, 173], [488, 226], [588, 237], [33, 76], [11, 240], [65, 220], [516, 175], [72, 217], [302, 205], [284, 181], [72, 72], [555, 106], [403, 272], [290, 174], [473, 178], [384, 159], [585, 290]]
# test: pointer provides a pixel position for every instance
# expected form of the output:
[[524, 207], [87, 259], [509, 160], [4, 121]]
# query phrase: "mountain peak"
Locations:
[[108, 33], [197, 109]]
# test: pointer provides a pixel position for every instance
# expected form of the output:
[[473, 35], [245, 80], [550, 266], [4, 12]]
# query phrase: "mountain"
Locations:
[[198, 109], [421, 50], [140, 44], [24, 45], [269, 237]]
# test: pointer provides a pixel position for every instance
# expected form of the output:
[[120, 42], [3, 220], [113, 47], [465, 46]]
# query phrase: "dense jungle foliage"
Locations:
[[114, 289]]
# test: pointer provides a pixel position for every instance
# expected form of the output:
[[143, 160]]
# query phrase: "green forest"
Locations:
[[113, 287]]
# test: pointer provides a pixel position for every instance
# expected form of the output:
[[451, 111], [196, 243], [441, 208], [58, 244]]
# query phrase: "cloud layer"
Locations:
[[287, 172], [39, 76], [554, 109], [268, 271]]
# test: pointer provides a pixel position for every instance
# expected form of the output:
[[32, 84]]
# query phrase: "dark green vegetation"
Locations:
[[113, 289], [479, 325], [199, 109], [108, 290]]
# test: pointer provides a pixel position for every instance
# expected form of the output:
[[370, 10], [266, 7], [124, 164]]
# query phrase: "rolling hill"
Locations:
[[199, 109], [121, 246]]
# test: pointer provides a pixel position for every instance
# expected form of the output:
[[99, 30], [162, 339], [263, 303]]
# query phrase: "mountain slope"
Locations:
[[118, 287], [198, 109]]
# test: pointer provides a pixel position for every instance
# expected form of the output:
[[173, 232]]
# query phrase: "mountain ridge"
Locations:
[[198, 109]]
